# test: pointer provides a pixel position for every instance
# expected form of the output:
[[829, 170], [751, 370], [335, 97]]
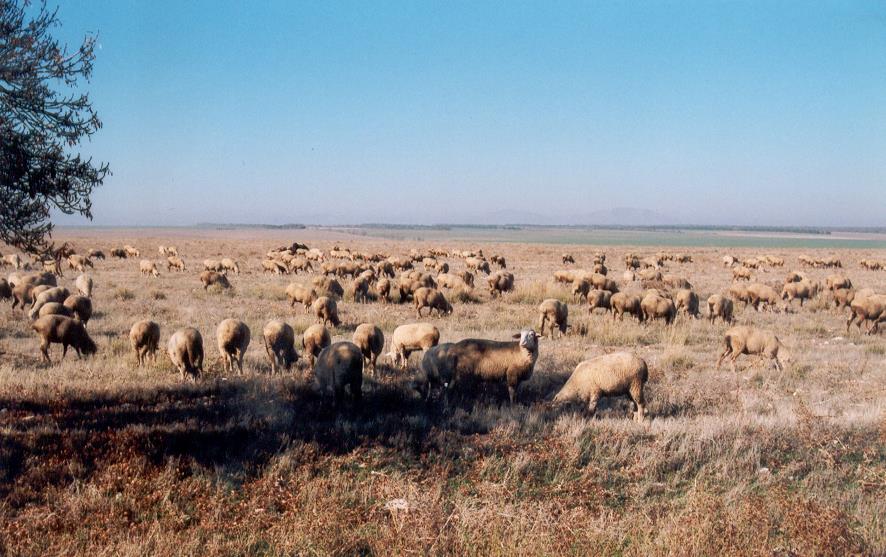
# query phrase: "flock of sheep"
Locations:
[[59, 315]]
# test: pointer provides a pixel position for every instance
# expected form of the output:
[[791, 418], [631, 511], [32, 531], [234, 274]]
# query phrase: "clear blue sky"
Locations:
[[704, 112]]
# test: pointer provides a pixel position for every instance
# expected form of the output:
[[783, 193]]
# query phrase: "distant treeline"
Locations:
[[223, 226]]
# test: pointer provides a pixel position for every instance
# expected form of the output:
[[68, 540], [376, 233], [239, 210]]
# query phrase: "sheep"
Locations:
[[79, 263], [554, 314], [870, 307], [233, 338], [383, 289], [435, 369], [63, 330], [175, 262], [720, 306], [185, 351], [750, 340], [326, 311], [83, 284], [499, 260], [301, 294], [686, 301], [300, 264], [371, 341], [500, 282], [567, 258], [628, 276], [834, 282], [741, 273], [760, 293], [600, 269], [279, 340], [452, 281], [622, 302], [674, 281], [52, 294], [314, 339], [658, 307], [842, 297], [476, 264], [411, 338], [5, 289], [600, 282], [432, 299], [510, 363], [81, 306], [616, 374], [15, 260], [328, 286], [148, 267], [209, 278], [649, 274], [338, 366], [144, 337], [361, 289], [580, 289], [212, 265], [55, 308], [273, 266], [131, 251], [739, 293], [96, 254], [228, 264], [119, 253], [467, 277], [599, 299], [797, 290]]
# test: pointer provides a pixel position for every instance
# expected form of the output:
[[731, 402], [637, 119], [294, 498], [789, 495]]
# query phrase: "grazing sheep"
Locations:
[[411, 338], [720, 306], [148, 267], [361, 289], [185, 350], [600, 282], [432, 299], [580, 290], [649, 274], [338, 366], [741, 273], [870, 307], [314, 339], [371, 341], [228, 264], [468, 277], [676, 282], [119, 253], [842, 297], [834, 282], [326, 311], [51, 294], [81, 306], [383, 289], [622, 303], [553, 314], [175, 262], [15, 260], [435, 369], [760, 293], [499, 260], [209, 278], [131, 251], [233, 339], [279, 340], [59, 329], [300, 294], [616, 374], [797, 290], [212, 265], [96, 254], [739, 293], [567, 258], [144, 337], [328, 286], [655, 306], [599, 299], [79, 263], [510, 363], [687, 301], [83, 284], [476, 264], [750, 340], [273, 266], [55, 308], [500, 282]]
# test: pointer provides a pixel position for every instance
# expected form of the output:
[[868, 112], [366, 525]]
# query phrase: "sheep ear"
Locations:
[[516, 336], [539, 336]]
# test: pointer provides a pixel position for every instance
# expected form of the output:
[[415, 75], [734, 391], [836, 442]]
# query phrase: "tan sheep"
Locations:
[[175, 262], [580, 290], [622, 303], [81, 306], [655, 306], [233, 338], [83, 284], [328, 286], [686, 301], [148, 267], [55, 308], [842, 297], [616, 374], [58, 329], [720, 306], [797, 291], [212, 265], [383, 289], [500, 282], [228, 264], [340, 365], [371, 341], [185, 351], [553, 314], [750, 340], [314, 339], [326, 311], [131, 251], [432, 299], [144, 337], [741, 273], [599, 299], [49, 294], [834, 282], [279, 340], [210, 278], [762, 294], [871, 307], [301, 294], [411, 338]]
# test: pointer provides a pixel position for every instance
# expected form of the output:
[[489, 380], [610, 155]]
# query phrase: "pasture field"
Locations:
[[101, 457]]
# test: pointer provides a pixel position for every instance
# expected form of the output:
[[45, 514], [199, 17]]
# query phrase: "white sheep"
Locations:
[[620, 373]]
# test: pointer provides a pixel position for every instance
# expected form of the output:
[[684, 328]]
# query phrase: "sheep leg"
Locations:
[[725, 353], [44, 349], [272, 358], [592, 404], [778, 365], [512, 393], [636, 392]]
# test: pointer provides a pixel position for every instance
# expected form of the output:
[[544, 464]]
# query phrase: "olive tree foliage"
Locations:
[[43, 118]]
